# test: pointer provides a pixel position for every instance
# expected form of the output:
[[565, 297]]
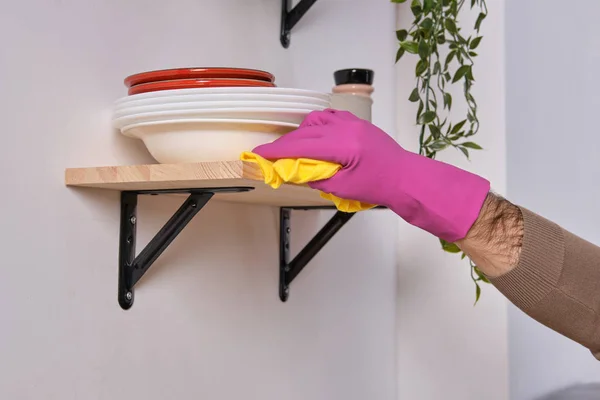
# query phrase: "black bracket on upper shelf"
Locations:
[[291, 16], [289, 270], [132, 268]]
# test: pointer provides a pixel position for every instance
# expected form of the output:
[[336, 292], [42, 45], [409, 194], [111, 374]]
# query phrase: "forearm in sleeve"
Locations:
[[549, 273], [556, 281]]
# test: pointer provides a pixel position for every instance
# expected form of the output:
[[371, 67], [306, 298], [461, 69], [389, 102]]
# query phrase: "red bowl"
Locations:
[[197, 73], [195, 83]]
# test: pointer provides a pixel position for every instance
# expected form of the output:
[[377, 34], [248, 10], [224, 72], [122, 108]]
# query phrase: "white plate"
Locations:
[[265, 126], [227, 90], [291, 115], [188, 141], [185, 98], [204, 105]]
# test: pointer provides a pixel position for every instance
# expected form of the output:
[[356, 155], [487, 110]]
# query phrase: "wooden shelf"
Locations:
[[196, 175]]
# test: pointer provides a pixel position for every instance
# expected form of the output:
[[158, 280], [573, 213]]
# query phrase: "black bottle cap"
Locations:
[[353, 75]]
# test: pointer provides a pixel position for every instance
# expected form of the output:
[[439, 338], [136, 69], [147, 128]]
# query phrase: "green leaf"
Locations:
[[448, 101], [475, 42], [410, 46], [399, 1], [458, 126], [415, 7], [447, 76], [477, 293], [401, 35], [439, 146], [460, 73], [473, 54], [462, 257], [465, 152], [399, 54], [426, 24], [449, 59], [414, 96], [427, 6], [480, 274], [421, 67], [480, 19], [449, 247], [451, 26], [427, 117], [435, 131], [420, 110], [470, 73], [423, 50], [470, 97], [441, 39], [472, 145], [453, 8]]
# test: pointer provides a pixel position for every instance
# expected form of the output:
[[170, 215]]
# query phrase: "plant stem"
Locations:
[[427, 80]]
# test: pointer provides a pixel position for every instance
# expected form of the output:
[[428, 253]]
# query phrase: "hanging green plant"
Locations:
[[436, 29]]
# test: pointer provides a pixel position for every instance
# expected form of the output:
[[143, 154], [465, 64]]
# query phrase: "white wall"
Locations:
[[448, 349], [553, 54], [207, 322]]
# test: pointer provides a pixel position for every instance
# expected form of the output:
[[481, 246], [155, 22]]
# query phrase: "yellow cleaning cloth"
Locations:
[[301, 171]]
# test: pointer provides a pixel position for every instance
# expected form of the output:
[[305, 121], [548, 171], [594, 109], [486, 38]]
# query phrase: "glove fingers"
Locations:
[[314, 148], [331, 185]]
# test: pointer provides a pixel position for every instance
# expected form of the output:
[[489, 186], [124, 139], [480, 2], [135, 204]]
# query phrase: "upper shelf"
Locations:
[[196, 175]]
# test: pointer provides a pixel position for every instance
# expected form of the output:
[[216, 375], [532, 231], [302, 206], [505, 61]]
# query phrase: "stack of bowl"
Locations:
[[210, 114]]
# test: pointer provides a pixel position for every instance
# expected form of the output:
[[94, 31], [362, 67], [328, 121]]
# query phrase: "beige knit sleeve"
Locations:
[[557, 281]]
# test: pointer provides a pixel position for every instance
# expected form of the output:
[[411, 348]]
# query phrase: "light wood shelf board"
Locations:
[[195, 175]]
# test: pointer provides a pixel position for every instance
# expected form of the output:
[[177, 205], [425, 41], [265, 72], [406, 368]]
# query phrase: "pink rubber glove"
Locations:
[[437, 197]]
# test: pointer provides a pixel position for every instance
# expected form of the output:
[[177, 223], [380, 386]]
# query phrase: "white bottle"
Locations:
[[352, 92]]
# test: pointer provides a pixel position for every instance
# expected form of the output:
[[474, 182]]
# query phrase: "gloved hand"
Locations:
[[437, 197]]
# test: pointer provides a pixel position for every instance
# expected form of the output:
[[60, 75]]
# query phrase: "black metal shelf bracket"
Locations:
[[289, 270], [291, 16], [132, 268]]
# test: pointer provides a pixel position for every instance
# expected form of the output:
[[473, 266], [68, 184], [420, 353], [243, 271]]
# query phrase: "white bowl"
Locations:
[[203, 105], [204, 140], [185, 98], [226, 90], [290, 115]]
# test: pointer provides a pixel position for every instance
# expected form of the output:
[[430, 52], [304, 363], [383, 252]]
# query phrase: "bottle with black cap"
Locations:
[[352, 91]]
